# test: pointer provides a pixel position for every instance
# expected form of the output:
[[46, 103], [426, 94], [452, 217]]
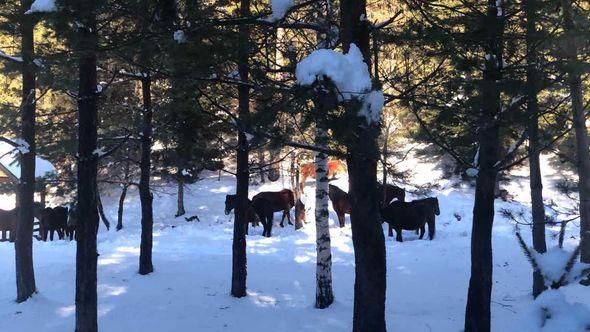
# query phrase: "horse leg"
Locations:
[[51, 234], [288, 212], [422, 231], [60, 233], [431, 227], [282, 219], [270, 218], [390, 233], [340, 218], [398, 235]]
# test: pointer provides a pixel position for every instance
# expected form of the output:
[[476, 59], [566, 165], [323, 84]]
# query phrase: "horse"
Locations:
[[412, 215], [54, 220], [70, 229], [341, 201], [267, 203], [9, 219], [391, 192], [251, 217], [307, 170]]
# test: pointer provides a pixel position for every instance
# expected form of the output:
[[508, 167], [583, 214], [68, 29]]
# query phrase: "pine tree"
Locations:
[[25, 276]]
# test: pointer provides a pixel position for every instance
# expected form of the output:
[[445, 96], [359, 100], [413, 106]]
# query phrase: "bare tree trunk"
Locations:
[[367, 234], [145, 196], [324, 293], [103, 216], [574, 70], [23, 246], [86, 255], [239, 270], [121, 206], [180, 211], [477, 315], [261, 164], [536, 180]]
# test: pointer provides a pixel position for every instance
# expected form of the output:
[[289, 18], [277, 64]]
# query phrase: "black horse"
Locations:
[[251, 217], [341, 201], [412, 215], [54, 220]]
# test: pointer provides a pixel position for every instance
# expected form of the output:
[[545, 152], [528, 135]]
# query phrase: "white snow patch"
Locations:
[[551, 312], [179, 36], [280, 8], [42, 6]]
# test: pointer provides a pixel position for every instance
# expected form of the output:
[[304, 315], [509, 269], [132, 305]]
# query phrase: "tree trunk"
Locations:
[[261, 164], [86, 255], [121, 206], [23, 246], [324, 294], [536, 181], [145, 196], [574, 70], [239, 270], [103, 216], [180, 211], [367, 234], [477, 315]]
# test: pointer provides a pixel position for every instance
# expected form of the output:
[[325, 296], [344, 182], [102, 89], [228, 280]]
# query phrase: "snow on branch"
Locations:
[[42, 6], [350, 75], [3, 55], [280, 8]]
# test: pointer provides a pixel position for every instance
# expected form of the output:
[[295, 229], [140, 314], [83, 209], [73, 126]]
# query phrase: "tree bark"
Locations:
[[536, 181], [477, 315], [324, 293], [121, 207], [180, 211], [86, 255], [101, 213], [239, 270], [23, 246], [367, 234], [145, 196], [574, 70]]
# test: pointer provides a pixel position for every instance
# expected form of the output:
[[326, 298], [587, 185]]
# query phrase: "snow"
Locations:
[[179, 36], [552, 264], [349, 73], [472, 172], [42, 6], [372, 106], [98, 152], [280, 8], [189, 290], [9, 158], [553, 313], [10, 57]]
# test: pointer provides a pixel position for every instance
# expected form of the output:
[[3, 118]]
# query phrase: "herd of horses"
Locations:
[[60, 220], [399, 214]]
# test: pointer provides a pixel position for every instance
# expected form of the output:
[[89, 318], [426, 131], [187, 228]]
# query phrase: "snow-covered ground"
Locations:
[[189, 290]]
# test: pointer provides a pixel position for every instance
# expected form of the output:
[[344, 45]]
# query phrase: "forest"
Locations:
[[294, 165]]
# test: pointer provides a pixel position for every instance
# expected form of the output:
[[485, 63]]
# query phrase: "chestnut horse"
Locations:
[[341, 201], [307, 170], [267, 203]]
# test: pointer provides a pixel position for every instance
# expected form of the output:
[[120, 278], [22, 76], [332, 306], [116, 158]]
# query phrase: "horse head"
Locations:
[[230, 203]]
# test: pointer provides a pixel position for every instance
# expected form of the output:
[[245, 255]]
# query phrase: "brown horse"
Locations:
[[412, 215], [307, 170], [9, 219], [268, 202], [341, 201]]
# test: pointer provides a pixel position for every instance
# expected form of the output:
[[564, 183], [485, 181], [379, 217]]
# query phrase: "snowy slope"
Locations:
[[189, 291]]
